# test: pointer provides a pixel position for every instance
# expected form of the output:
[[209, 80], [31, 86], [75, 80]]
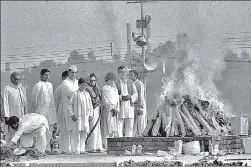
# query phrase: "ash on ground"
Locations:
[[7, 155]]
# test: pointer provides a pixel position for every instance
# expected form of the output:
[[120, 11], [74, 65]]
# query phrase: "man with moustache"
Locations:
[[15, 101], [139, 104], [127, 95], [43, 102]]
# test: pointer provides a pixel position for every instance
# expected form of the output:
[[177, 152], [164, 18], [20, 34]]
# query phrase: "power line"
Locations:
[[103, 48], [68, 50], [59, 54], [30, 79], [42, 46], [245, 32], [107, 59], [88, 61]]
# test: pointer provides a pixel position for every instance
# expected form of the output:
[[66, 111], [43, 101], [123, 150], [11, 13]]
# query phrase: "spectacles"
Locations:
[[16, 79], [92, 80]]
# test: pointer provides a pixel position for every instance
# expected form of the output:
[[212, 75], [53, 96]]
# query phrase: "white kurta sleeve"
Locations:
[[57, 97], [71, 105], [108, 106], [26, 101], [6, 103], [134, 96], [67, 91], [17, 136], [142, 95], [34, 96]]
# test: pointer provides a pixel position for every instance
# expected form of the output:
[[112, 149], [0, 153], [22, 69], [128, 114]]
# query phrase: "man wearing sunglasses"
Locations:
[[15, 100]]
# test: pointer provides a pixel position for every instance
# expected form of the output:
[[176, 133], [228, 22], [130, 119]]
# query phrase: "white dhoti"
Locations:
[[126, 125], [65, 141], [26, 140], [78, 142], [109, 126], [41, 139], [139, 125]]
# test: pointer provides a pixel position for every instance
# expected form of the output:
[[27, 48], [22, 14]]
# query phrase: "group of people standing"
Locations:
[[84, 113]]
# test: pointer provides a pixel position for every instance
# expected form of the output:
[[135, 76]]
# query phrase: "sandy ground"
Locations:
[[103, 158]]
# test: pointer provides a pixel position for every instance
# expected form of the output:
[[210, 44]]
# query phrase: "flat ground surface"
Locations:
[[104, 159]]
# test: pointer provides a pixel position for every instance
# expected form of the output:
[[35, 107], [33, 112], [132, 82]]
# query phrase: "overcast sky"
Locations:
[[39, 27]]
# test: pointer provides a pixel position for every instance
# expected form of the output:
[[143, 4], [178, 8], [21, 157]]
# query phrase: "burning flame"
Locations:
[[195, 76]]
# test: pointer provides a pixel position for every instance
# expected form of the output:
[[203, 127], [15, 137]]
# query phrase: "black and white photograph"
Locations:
[[125, 83]]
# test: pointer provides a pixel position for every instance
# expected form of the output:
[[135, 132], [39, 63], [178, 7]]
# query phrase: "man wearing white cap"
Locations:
[[62, 99]]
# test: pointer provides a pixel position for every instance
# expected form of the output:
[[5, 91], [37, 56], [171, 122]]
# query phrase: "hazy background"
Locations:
[[32, 32]]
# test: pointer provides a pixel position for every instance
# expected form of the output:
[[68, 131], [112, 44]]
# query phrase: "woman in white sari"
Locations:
[[110, 108], [94, 139]]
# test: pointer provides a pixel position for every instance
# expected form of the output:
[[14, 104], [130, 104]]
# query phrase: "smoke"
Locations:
[[108, 18], [196, 74]]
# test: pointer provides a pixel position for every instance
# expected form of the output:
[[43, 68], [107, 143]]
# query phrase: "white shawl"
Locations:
[[81, 106]]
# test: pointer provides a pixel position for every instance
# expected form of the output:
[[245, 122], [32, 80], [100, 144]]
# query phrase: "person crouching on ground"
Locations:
[[81, 111], [26, 127]]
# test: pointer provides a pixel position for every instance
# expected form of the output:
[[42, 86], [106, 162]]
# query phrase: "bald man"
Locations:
[[15, 100]]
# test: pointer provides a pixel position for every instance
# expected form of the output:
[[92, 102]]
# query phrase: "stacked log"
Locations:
[[184, 117]]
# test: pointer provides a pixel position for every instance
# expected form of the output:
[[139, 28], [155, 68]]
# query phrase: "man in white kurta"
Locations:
[[57, 92], [27, 126], [15, 101], [62, 98], [43, 102], [128, 95], [139, 105], [81, 112], [110, 102]]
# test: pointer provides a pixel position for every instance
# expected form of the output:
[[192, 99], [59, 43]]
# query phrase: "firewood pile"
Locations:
[[186, 116]]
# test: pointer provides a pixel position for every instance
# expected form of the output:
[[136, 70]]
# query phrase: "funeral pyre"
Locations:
[[188, 107], [186, 116]]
